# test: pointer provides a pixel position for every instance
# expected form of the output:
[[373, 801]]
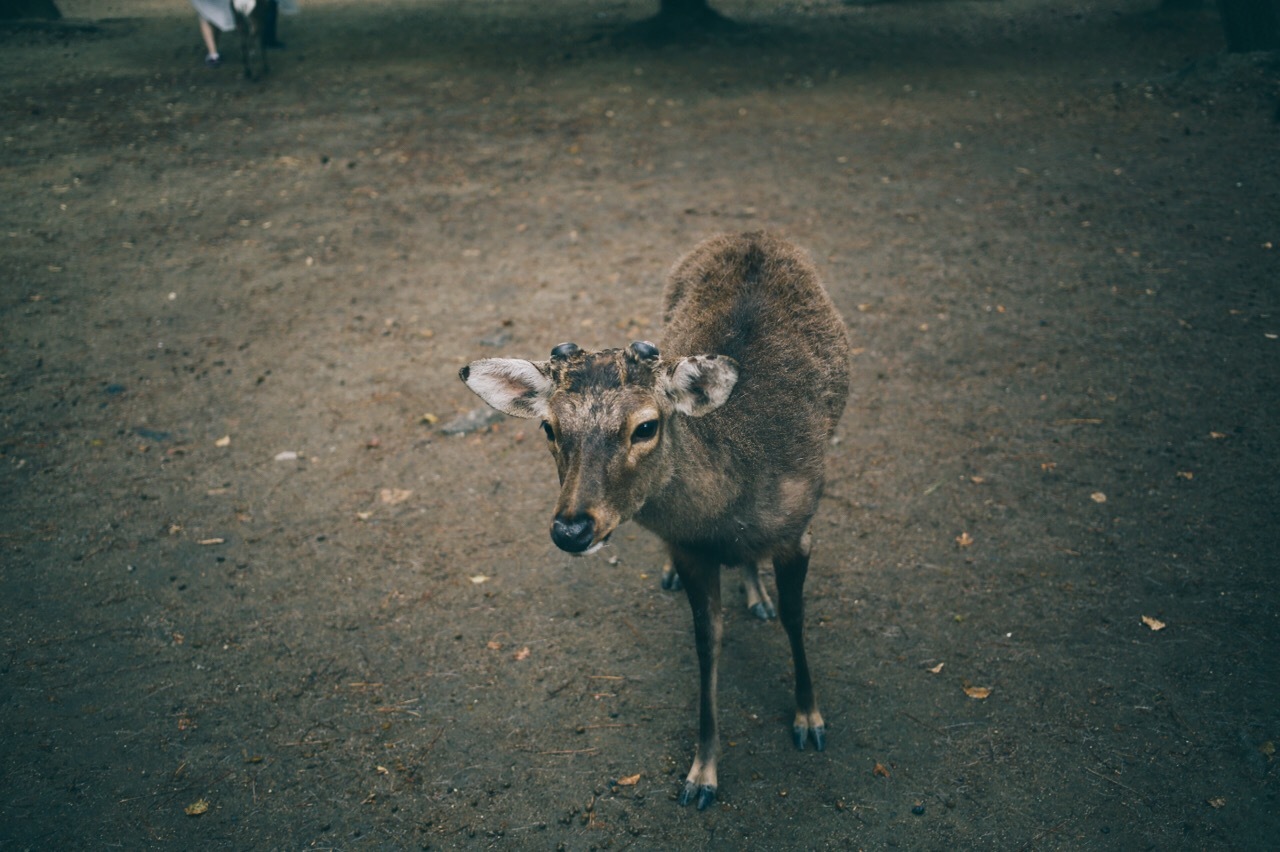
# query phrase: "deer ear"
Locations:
[[513, 386], [699, 384]]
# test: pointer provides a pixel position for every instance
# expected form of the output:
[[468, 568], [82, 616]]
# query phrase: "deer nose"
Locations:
[[573, 534]]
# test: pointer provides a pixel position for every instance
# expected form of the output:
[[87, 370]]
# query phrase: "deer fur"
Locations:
[[714, 441]]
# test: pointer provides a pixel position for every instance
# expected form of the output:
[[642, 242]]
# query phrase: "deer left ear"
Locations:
[[699, 384], [511, 385]]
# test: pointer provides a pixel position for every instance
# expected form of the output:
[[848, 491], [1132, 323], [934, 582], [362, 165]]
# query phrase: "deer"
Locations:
[[714, 441]]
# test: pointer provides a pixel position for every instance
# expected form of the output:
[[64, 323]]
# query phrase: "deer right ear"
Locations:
[[511, 385], [699, 384]]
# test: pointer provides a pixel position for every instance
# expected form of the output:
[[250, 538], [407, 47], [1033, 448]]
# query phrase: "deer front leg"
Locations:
[[701, 581], [791, 565]]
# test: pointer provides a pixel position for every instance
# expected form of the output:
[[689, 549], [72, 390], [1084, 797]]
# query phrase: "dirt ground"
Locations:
[[254, 597]]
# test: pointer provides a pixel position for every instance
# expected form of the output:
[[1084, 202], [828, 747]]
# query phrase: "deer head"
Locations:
[[610, 421]]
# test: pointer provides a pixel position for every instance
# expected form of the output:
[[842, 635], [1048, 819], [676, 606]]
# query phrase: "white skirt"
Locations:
[[218, 12]]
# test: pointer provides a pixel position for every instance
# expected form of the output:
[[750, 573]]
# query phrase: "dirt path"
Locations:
[[244, 567]]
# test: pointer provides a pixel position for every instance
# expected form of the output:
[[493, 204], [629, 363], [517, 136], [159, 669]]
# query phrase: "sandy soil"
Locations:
[[246, 573]]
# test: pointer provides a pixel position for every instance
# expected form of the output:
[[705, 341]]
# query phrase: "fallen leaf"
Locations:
[[363, 516], [287, 455], [879, 770], [209, 541], [1217, 436], [964, 540], [493, 645], [937, 669], [521, 655], [479, 578], [395, 496], [1098, 497], [1186, 474], [1153, 623], [978, 692], [1217, 802], [224, 441], [430, 419], [196, 808], [381, 770], [629, 780]]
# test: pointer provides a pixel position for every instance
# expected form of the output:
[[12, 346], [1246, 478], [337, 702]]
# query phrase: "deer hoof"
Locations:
[[703, 794], [801, 734], [764, 611], [671, 580]]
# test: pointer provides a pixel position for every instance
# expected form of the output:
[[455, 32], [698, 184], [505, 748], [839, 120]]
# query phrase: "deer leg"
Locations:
[[791, 565], [758, 602], [670, 579], [701, 580]]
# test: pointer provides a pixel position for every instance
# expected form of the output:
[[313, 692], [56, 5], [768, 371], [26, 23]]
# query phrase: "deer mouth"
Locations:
[[596, 547]]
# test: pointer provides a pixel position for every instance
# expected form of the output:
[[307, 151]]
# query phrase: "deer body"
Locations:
[[715, 442]]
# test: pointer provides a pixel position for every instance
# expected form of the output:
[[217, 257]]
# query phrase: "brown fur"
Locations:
[[715, 442]]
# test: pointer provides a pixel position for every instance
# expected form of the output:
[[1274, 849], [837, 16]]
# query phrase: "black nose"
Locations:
[[573, 534]]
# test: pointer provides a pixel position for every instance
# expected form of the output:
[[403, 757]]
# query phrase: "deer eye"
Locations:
[[551, 433], [646, 431]]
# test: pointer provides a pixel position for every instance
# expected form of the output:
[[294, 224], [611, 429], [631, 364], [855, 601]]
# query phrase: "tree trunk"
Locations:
[[44, 9], [686, 10], [1250, 25]]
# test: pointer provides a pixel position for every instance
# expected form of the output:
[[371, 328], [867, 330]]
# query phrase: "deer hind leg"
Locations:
[[759, 603], [701, 581], [791, 565]]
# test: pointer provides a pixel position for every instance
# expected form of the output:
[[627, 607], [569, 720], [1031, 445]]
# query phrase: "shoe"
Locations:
[[212, 61]]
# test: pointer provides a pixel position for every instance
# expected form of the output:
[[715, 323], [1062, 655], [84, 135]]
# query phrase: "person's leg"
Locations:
[[213, 60]]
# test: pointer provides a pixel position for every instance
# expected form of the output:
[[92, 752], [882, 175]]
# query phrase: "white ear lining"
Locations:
[[511, 385]]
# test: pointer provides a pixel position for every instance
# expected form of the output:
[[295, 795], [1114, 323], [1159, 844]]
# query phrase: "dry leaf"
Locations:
[[1153, 623], [1217, 802], [363, 516], [479, 578], [394, 496], [429, 418], [628, 781], [521, 655], [224, 441], [1098, 497], [978, 692], [493, 645], [964, 540], [1186, 474], [208, 541], [879, 770], [197, 807], [381, 770], [937, 669], [1217, 436]]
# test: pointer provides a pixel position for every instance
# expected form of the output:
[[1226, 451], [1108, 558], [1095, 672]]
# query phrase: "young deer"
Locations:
[[716, 444]]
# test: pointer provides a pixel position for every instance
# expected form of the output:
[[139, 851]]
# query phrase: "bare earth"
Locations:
[[1053, 229]]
